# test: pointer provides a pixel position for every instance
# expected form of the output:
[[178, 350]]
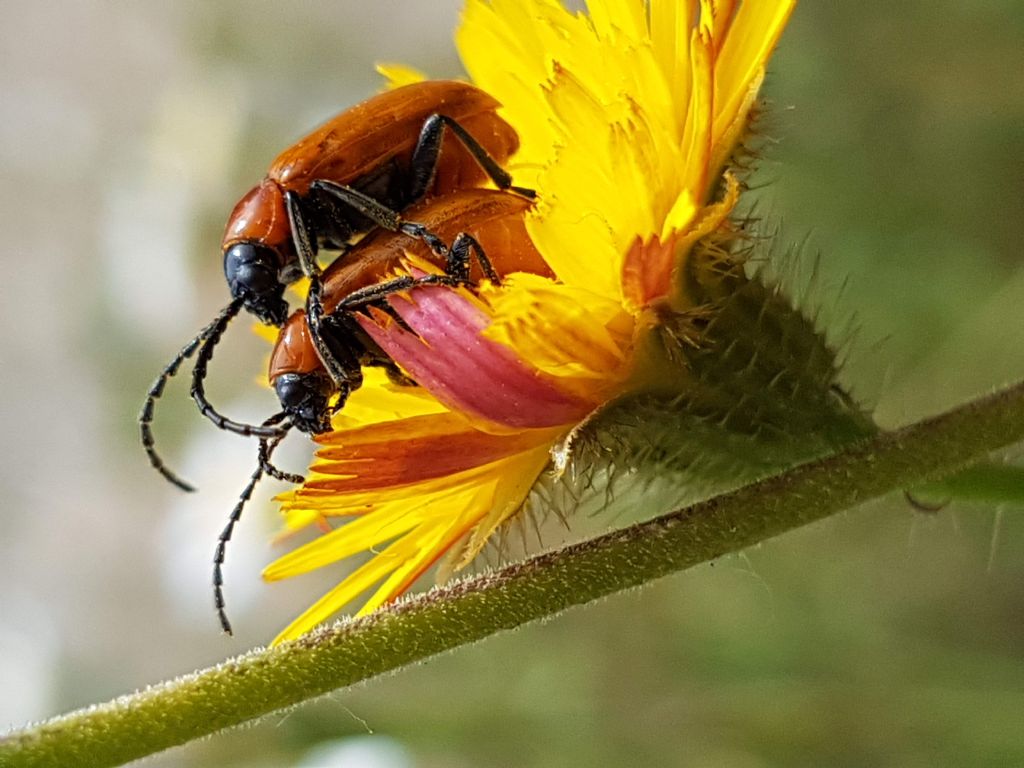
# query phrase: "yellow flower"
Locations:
[[628, 117]]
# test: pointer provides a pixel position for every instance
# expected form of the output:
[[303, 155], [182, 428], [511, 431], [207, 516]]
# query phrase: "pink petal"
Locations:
[[467, 372]]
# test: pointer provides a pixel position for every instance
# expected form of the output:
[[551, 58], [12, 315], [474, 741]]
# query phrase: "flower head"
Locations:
[[628, 117]]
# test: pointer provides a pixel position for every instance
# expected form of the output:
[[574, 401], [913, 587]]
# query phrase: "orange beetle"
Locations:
[[384, 153], [492, 222], [358, 171]]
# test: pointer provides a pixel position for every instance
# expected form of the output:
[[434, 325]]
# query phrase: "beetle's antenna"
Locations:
[[270, 469], [273, 471], [267, 447], [199, 375], [156, 389]]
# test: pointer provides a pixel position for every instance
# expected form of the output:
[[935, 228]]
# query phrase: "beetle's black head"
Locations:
[[305, 398], [252, 274]]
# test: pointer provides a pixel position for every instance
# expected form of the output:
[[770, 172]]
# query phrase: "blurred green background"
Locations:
[[880, 637]]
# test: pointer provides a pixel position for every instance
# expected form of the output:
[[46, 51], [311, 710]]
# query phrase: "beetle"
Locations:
[[386, 151], [357, 171], [486, 223], [307, 376]]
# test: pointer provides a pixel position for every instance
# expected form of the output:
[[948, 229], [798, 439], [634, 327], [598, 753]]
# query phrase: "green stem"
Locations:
[[267, 680], [986, 483]]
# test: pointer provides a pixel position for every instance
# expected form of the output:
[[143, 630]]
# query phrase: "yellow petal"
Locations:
[[421, 525], [697, 140], [751, 37], [520, 473], [397, 75], [581, 337], [388, 520], [379, 400]]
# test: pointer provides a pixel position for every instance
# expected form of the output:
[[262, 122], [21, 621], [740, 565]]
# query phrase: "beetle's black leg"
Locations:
[[372, 209], [336, 339], [374, 294], [428, 151], [199, 375], [337, 369], [456, 273], [379, 213], [303, 235], [458, 259], [305, 247], [369, 207], [156, 389]]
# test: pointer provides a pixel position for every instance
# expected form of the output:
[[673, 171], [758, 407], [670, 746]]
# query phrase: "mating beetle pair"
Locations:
[[358, 171], [383, 169]]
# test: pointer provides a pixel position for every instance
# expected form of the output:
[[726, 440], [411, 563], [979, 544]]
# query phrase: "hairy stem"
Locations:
[[267, 680]]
